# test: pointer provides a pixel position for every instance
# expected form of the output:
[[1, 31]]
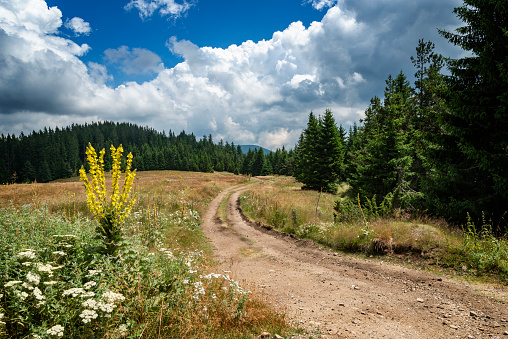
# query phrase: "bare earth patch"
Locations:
[[336, 296]]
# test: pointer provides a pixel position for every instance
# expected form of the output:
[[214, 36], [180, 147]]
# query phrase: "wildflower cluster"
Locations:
[[37, 283], [112, 213]]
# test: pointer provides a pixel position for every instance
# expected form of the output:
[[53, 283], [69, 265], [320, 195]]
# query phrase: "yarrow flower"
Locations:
[[29, 254], [122, 329], [27, 286], [47, 268], [88, 315], [12, 283], [73, 291], [56, 330], [22, 295], [113, 297], [33, 278], [89, 285], [92, 273]]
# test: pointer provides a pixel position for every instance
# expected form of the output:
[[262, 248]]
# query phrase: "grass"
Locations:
[[471, 252], [163, 285]]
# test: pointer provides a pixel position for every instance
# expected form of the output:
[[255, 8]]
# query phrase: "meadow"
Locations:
[[470, 252], [162, 284]]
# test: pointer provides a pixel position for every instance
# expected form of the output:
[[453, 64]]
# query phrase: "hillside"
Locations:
[[55, 154], [246, 148]]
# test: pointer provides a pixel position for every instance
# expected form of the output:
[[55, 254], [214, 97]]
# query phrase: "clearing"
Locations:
[[331, 295]]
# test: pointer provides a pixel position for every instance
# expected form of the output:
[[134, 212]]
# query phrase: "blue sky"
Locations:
[[244, 71]]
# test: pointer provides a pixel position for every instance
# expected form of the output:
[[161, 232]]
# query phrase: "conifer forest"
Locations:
[[437, 146]]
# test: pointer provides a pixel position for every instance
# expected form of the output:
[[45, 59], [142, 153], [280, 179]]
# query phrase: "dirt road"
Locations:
[[337, 296]]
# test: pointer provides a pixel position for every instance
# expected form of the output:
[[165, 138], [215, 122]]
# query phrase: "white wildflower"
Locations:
[[29, 254], [73, 291], [22, 295], [123, 330], [90, 303], [88, 294], [47, 268], [38, 294], [185, 281], [27, 286], [88, 315], [92, 273], [26, 263], [89, 285], [50, 282], [12, 283], [106, 307], [56, 330], [33, 278], [61, 253], [112, 296]]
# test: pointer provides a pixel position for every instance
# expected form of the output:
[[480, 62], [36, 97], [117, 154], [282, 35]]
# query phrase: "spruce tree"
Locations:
[[307, 155], [320, 154], [329, 153], [477, 124]]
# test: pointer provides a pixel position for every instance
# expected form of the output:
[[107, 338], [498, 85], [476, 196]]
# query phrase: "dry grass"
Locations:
[[284, 204], [420, 239], [160, 194], [163, 189]]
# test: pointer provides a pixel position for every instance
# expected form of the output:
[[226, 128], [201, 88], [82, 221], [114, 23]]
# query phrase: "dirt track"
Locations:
[[337, 296]]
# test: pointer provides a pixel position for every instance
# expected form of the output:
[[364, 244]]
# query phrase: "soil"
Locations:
[[332, 295]]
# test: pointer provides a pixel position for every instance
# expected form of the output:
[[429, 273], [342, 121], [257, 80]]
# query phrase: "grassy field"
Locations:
[[163, 284], [470, 252]]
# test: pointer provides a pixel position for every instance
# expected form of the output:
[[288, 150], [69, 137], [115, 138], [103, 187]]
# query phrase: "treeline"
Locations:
[[54, 154], [439, 146]]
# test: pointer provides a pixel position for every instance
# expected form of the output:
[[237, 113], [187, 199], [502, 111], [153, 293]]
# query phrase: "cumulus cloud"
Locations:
[[320, 4], [169, 8], [78, 26], [256, 92], [39, 71], [135, 61]]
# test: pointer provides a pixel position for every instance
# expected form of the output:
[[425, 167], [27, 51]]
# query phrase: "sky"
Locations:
[[244, 71]]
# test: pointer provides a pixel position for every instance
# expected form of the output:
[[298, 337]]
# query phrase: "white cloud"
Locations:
[[255, 92], [79, 26], [281, 136], [321, 4], [135, 61], [98, 73], [169, 8]]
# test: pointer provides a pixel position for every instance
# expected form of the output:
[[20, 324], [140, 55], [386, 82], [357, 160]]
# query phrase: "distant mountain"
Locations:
[[245, 148]]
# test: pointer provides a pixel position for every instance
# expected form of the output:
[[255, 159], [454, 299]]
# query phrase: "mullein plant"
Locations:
[[110, 213]]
